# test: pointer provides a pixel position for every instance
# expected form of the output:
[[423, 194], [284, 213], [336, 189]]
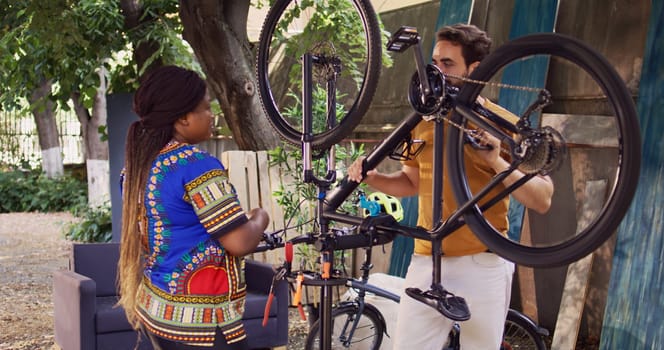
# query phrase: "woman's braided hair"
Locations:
[[165, 95]]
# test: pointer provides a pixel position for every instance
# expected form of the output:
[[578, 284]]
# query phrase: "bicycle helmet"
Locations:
[[388, 204]]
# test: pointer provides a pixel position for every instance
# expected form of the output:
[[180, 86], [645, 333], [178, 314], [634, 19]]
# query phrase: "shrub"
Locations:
[[95, 225], [31, 191]]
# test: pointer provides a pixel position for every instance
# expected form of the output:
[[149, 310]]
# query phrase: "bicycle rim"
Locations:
[[368, 335], [521, 334], [595, 125], [292, 28]]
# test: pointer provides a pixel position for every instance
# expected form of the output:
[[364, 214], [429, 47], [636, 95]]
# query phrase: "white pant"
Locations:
[[484, 280]]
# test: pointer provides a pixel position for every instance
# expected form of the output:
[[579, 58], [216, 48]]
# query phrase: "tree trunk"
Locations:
[[47, 129], [135, 15], [96, 149], [217, 31]]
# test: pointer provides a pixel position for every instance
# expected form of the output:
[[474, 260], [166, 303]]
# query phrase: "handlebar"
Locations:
[[341, 240], [273, 241]]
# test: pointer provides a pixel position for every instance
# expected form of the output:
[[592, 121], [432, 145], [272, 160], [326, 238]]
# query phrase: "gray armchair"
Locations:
[[84, 297]]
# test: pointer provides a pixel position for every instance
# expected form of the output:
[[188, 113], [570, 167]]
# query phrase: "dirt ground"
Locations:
[[32, 247]]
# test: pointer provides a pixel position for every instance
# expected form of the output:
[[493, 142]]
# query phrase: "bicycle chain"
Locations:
[[502, 85], [472, 132]]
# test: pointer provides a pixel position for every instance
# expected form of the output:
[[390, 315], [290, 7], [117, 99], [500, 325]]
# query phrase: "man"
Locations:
[[468, 269]]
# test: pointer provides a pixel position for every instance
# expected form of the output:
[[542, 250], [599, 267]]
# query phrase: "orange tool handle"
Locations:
[[327, 265], [297, 298], [266, 313], [303, 316]]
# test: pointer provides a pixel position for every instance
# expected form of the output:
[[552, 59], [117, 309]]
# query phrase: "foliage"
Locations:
[[95, 225], [319, 110], [90, 34], [31, 191], [298, 199], [334, 22]]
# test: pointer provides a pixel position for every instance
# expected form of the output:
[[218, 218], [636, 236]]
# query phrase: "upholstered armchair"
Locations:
[[86, 317]]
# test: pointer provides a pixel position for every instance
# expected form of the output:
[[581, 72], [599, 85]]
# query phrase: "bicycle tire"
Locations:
[[576, 61], [521, 333], [273, 78], [368, 334]]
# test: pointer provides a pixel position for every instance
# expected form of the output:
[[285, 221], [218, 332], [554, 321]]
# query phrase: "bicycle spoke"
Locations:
[[367, 335], [517, 338]]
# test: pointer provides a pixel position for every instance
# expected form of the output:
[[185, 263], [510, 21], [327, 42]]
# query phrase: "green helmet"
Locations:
[[388, 204]]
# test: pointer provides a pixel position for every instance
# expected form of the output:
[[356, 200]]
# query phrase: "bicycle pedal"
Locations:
[[456, 308], [452, 307], [403, 38]]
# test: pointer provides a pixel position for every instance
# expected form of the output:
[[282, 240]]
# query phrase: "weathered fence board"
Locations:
[[634, 317], [527, 17], [578, 274]]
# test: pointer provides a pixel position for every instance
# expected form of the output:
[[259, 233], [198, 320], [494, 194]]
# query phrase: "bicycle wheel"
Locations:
[[521, 333], [587, 140], [345, 33], [367, 335]]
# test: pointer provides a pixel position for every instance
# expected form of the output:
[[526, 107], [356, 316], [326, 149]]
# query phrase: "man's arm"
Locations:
[[402, 183], [535, 194]]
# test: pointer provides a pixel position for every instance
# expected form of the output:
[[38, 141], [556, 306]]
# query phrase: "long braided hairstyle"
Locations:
[[167, 94]]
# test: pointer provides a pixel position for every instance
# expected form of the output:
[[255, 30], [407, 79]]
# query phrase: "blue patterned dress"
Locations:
[[190, 285]]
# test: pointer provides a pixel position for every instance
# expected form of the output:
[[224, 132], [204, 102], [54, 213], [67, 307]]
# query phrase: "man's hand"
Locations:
[[355, 170], [491, 155]]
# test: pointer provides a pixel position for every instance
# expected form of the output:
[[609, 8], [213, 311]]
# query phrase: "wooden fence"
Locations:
[[256, 182], [19, 140]]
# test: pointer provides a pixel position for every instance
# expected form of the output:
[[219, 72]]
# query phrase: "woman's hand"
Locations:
[[244, 239]]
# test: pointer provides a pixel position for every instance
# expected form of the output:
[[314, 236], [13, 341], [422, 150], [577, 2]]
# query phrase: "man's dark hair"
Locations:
[[475, 44]]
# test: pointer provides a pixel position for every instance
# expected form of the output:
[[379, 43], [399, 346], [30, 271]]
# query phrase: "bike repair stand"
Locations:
[[325, 243]]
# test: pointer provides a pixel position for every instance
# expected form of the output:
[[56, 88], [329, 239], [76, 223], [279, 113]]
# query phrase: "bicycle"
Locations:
[[367, 333], [597, 175], [357, 324]]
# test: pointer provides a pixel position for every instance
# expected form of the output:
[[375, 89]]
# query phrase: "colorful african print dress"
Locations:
[[191, 285]]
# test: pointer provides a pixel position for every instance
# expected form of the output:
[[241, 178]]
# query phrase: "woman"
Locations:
[[181, 270]]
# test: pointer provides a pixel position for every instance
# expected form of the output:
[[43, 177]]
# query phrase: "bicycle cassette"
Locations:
[[542, 151]]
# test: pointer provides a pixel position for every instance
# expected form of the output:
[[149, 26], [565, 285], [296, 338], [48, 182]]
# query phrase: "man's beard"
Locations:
[[456, 82]]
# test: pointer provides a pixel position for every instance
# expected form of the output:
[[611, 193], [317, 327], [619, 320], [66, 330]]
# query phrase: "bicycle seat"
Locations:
[[448, 304]]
